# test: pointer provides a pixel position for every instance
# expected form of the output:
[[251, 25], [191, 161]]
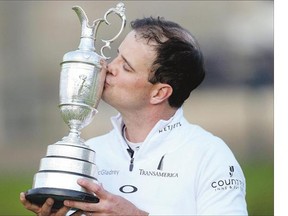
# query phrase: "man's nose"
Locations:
[[111, 67]]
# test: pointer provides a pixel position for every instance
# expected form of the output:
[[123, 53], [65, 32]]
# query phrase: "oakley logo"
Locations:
[[128, 189]]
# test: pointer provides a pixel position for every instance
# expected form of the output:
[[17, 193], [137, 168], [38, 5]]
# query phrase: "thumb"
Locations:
[[93, 187]]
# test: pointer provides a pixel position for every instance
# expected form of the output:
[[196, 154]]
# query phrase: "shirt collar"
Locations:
[[156, 138], [160, 127]]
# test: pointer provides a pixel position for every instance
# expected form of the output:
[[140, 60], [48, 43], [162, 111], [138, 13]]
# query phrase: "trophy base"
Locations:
[[38, 196]]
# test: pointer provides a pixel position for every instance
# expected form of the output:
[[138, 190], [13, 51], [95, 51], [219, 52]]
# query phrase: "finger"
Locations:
[[62, 211], [28, 205], [47, 207], [103, 63], [93, 187], [77, 213], [84, 206], [104, 66]]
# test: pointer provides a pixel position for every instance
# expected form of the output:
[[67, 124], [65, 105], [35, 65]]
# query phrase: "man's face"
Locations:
[[127, 86]]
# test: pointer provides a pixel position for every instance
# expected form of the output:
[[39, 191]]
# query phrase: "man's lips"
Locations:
[[106, 83]]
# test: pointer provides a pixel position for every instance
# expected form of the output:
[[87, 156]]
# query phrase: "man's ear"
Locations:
[[160, 93]]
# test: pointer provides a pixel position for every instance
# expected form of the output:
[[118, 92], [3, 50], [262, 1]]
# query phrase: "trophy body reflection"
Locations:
[[81, 85]]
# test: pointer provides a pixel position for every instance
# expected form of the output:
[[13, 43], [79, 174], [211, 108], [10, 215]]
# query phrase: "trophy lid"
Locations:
[[86, 49]]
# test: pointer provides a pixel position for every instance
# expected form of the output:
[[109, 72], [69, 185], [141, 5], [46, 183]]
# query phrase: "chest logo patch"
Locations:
[[128, 189]]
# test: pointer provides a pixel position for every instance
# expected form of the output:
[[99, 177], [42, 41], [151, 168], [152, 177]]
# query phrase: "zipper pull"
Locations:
[[131, 164]]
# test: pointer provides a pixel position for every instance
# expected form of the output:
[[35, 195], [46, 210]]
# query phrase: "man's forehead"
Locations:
[[133, 37], [136, 50]]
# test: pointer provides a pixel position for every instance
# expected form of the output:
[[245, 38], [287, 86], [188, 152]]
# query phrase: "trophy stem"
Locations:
[[74, 133], [74, 138]]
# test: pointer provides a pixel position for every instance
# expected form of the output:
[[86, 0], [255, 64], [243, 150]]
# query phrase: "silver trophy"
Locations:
[[81, 85]]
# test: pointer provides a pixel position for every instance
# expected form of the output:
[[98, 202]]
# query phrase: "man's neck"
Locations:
[[140, 123]]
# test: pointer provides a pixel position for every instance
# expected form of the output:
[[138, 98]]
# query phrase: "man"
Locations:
[[154, 162]]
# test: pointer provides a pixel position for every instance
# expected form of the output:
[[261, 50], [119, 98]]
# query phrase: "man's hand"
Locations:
[[45, 209], [109, 204]]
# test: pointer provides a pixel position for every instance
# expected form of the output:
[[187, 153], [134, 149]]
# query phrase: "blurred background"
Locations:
[[235, 102]]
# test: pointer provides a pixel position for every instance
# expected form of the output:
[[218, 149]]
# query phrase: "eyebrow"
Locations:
[[127, 62]]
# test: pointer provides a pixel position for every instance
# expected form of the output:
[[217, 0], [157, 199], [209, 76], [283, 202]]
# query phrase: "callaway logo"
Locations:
[[108, 172]]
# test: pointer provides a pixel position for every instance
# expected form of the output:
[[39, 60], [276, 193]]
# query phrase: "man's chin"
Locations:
[[106, 99]]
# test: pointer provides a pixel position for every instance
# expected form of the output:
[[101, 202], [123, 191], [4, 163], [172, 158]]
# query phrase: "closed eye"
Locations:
[[126, 66]]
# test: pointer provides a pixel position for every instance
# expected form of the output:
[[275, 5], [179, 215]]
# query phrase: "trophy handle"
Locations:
[[119, 10]]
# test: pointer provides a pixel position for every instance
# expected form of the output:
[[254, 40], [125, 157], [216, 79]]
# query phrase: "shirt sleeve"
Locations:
[[221, 183]]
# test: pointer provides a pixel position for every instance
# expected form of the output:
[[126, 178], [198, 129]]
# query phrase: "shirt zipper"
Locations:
[[131, 153], [131, 166]]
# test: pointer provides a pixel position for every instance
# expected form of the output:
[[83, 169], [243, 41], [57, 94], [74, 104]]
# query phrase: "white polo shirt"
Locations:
[[180, 169]]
